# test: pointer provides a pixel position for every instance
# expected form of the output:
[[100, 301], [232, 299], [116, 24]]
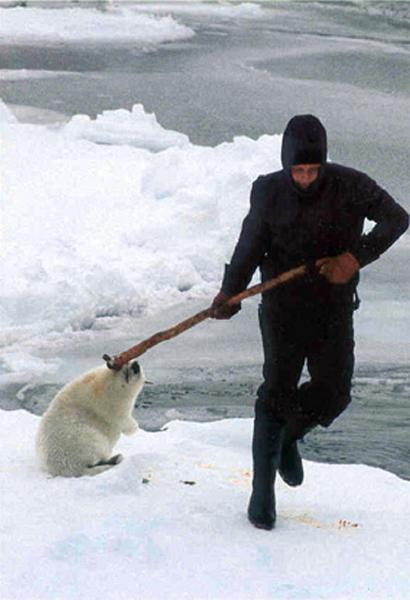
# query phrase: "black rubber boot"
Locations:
[[290, 464], [266, 446]]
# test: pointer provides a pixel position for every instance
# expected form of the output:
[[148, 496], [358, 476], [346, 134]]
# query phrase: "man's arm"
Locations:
[[375, 204], [251, 246], [391, 220]]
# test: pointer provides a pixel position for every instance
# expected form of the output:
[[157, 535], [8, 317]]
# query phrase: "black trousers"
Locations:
[[320, 334]]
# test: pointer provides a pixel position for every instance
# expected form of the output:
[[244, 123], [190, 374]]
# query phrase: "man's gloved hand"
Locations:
[[221, 310], [338, 269]]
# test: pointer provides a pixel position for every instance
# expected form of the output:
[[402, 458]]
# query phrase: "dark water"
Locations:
[[374, 429], [247, 77]]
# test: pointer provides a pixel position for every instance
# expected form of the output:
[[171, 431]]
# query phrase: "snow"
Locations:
[[92, 233], [32, 25], [124, 127], [170, 521]]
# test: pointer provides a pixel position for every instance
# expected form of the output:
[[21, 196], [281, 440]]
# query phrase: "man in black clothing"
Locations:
[[311, 212]]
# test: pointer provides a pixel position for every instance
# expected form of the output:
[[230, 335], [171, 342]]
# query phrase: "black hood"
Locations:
[[304, 142]]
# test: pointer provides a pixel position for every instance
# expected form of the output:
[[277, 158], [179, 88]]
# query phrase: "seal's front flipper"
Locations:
[[114, 460], [104, 465]]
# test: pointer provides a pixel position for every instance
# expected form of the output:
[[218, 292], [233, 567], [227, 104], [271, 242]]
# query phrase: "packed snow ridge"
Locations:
[[123, 127]]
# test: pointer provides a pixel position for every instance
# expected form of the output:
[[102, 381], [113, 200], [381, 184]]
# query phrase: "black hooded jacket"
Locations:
[[287, 227]]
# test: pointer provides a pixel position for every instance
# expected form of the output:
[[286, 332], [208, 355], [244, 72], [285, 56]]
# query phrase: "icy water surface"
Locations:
[[373, 430]]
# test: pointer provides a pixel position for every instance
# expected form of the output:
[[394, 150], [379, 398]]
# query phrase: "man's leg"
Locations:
[[266, 443], [330, 364], [290, 465], [283, 363]]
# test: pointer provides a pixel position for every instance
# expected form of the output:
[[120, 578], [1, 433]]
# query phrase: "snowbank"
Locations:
[[93, 232], [32, 25], [170, 522], [124, 127]]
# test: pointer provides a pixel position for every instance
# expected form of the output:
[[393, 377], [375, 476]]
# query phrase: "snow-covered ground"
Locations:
[[170, 522], [32, 25]]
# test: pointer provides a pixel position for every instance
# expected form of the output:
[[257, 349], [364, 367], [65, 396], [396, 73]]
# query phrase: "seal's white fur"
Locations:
[[86, 418]]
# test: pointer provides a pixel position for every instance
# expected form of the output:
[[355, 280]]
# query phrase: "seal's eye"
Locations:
[[135, 367]]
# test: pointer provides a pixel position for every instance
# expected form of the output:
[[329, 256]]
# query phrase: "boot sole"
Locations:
[[260, 525], [290, 482]]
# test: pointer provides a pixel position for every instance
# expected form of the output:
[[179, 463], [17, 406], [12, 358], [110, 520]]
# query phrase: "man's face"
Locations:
[[304, 175]]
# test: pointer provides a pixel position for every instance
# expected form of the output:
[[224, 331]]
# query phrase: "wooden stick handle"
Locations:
[[121, 359]]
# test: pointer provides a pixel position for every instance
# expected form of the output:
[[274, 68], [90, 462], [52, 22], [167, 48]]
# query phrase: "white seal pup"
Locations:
[[85, 420]]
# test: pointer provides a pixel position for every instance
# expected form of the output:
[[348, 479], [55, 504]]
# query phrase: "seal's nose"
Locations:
[[135, 367]]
